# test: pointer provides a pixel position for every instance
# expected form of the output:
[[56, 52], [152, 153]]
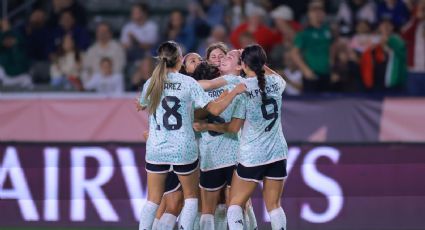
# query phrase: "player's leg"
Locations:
[[156, 176], [272, 193], [241, 190], [173, 199], [211, 182], [189, 180], [159, 212]]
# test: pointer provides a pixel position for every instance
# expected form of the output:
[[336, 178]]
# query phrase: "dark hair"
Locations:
[[61, 52], [255, 58], [217, 45], [143, 7], [106, 59], [206, 71], [168, 57]]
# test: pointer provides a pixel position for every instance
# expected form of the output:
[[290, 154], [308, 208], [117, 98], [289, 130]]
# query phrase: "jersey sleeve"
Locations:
[[232, 80], [142, 99], [198, 95], [240, 107], [282, 84]]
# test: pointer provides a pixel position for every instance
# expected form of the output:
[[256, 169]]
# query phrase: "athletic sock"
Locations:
[[147, 216], [167, 222], [220, 217], [196, 224], [251, 216], [235, 217], [207, 222], [188, 214], [155, 224], [278, 219]]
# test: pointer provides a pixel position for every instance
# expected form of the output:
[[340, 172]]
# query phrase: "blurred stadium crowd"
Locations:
[[107, 46]]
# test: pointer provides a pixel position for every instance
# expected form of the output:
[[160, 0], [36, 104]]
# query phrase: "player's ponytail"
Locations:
[[255, 58], [168, 57]]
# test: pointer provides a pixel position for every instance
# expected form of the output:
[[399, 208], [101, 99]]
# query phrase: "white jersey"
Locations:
[[171, 136], [262, 141], [219, 150]]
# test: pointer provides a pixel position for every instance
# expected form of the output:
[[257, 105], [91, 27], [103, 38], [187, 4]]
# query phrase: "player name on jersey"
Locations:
[[269, 89], [215, 93], [172, 86]]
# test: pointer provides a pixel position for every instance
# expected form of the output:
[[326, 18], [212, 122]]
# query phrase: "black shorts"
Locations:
[[172, 183], [178, 169], [274, 171], [216, 179]]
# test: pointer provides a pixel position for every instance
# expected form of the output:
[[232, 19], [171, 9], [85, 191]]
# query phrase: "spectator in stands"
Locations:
[[143, 73], [106, 81], [312, 50], [38, 39], [105, 46], [414, 32], [218, 34], [236, 14], [352, 11], [345, 75], [73, 6], [263, 35], [213, 12], [66, 67], [293, 76], [284, 23], [140, 34], [396, 10], [66, 26], [36, 35], [363, 38], [179, 31], [384, 67], [14, 63]]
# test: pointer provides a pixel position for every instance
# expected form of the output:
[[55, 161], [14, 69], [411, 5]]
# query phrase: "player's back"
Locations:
[[262, 139], [171, 137]]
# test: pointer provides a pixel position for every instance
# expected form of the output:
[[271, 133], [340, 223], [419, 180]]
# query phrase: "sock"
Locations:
[[148, 215], [220, 218], [167, 222], [251, 216], [188, 214], [196, 224], [207, 222], [155, 224], [235, 217], [278, 219]]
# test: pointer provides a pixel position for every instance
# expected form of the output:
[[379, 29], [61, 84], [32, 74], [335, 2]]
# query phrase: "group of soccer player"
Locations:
[[214, 133]]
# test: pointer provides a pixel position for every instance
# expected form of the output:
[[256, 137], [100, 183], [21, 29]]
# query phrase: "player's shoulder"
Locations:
[[232, 79], [275, 78]]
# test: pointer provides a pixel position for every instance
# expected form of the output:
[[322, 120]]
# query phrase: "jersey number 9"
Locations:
[[270, 116]]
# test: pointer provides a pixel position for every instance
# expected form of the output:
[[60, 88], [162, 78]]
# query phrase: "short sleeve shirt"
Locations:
[[171, 136]]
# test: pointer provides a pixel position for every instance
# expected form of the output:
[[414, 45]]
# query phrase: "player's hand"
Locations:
[[240, 88], [146, 135], [309, 75], [138, 106], [200, 126]]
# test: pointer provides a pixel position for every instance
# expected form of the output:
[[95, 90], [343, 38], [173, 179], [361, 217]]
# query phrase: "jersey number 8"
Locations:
[[270, 116], [171, 111]]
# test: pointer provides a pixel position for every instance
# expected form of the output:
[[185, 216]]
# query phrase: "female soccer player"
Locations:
[[263, 148], [216, 52], [169, 96]]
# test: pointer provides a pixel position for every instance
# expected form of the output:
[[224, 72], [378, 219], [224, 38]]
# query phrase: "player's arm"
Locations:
[[217, 106], [231, 127], [213, 84], [200, 114]]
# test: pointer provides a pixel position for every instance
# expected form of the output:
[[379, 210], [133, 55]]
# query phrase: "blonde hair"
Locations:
[[168, 55]]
